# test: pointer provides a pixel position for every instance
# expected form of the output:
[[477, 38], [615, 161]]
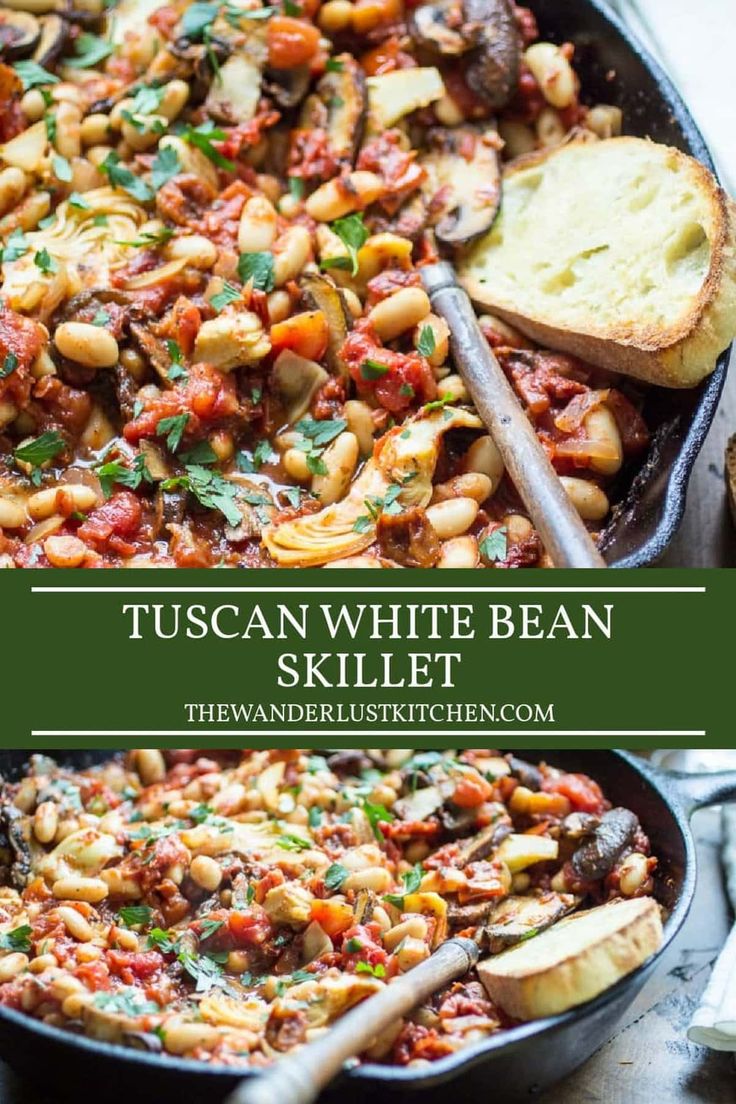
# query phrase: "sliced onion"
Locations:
[[156, 275], [576, 411]]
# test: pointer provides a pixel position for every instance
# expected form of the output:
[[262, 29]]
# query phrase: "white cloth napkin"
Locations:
[[714, 1022]]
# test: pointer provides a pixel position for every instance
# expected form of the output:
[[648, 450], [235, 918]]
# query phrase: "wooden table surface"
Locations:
[[649, 1057]]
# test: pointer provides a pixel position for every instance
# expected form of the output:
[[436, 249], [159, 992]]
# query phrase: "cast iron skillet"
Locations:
[[518, 1063], [614, 68]]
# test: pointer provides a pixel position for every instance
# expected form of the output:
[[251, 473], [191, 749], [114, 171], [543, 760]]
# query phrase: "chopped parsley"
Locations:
[[173, 430], [353, 946], [166, 165], [377, 971], [291, 8], [439, 404], [257, 267], [296, 187], [62, 168], [353, 233], [210, 489], [202, 137], [197, 18], [77, 200], [494, 546], [45, 262], [334, 65], [373, 369], [126, 1001], [147, 100], [201, 453], [426, 344], [150, 238], [131, 915], [335, 875], [121, 177], [290, 842], [314, 816], [8, 365], [375, 814], [412, 880], [19, 939], [376, 506], [293, 496], [32, 74], [15, 247], [89, 50], [209, 927], [229, 294], [101, 318], [114, 472], [177, 369], [40, 449], [315, 436]]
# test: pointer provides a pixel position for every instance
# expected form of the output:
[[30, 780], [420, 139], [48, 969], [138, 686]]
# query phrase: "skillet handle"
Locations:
[[695, 791]]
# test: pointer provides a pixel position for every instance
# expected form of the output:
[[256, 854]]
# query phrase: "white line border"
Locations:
[[194, 731], [327, 590]]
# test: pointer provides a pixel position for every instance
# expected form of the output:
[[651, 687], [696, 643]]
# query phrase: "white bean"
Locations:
[[399, 312], [206, 872], [340, 459], [600, 425], [459, 552], [12, 965], [65, 499], [12, 188], [93, 346], [359, 417], [292, 250], [342, 195], [483, 456], [65, 551], [46, 821], [76, 888], [549, 127], [605, 120], [453, 387], [257, 229], [469, 485], [587, 497], [441, 334], [150, 765], [452, 517], [12, 514], [553, 73], [633, 873], [197, 251], [75, 923]]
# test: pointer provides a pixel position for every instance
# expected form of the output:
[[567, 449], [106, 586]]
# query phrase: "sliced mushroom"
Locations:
[[483, 31], [296, 380], [19, 33], [481, 845], [321, 293], [288, 87], [400, 92], [598, 855], [54, 32], [529, 775], [338, 107], [464, 175], [233, 97], [364, 906], [154, 350], [469, 916], [420, 804], [519, 918]]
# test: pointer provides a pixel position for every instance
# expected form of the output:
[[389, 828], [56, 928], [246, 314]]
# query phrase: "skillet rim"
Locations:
[[443, 1069]]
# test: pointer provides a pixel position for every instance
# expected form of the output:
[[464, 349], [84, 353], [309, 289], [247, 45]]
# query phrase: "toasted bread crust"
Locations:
[[676, 356], [540, 978]]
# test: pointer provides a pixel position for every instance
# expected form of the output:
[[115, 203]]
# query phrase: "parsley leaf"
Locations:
[[290, 842], [126, 1000], [334, 65], [378, 971], [8, 366], [202, 137], [426, 344], [45, 262], [173, 429], [114, 472], [196, 18], [353, 233], [373, 369], [494, 546], [121, 177], [210, 489], [32, 74], [77, 200], [150, 237], [135, 914], [439, 404], [166, 164], [147, 100], [89, 50], [209, 927], [412, 880], [257, 267], [101, 318], [62, 168], [203, 969], [291, 8], [17, 940], [16, 246], [222, 299], [335, 875], [320, 432], [293, 496], [296, 187], [201, 453], [375, 814], [40, 449]]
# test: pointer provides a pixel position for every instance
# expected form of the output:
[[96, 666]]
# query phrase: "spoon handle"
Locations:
[[555, 518], [299, 1078]]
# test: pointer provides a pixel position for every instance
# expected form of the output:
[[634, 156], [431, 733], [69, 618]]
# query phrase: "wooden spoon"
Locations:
[[300, 1077], [557, 521]]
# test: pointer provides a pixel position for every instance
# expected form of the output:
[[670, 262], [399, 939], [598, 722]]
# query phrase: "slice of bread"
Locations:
[[622, 252], [573, 961]]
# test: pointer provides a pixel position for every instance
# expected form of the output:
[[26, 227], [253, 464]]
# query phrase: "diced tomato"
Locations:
[[332, 916], [120, 516], [291, 42], [386, 57], [407, 380], [165, 19], [95, 975], [133, 966], [249, 927], [584, 794], [471, 790], [182, 324], [360, 943], [21, 339], [306, 334], [397, 166]]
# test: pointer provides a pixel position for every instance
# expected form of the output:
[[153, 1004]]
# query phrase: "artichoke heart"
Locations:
[[406, 457]]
